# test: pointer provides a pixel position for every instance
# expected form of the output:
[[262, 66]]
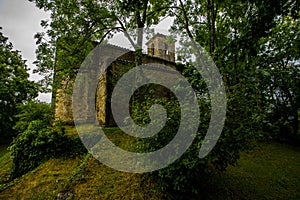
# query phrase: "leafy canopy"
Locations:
[[15, 88]]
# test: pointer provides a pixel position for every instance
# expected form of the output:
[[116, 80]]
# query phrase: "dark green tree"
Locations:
[[15, 88], [234, 33], [279, 72], [32, 111]]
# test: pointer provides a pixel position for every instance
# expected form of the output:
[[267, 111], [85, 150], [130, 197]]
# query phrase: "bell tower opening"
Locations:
[[159, 46]]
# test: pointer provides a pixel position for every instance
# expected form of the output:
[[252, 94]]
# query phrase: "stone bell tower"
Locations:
[[158, 46]]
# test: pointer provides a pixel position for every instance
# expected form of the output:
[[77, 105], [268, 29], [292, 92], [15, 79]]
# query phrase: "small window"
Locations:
[[152, 49], [166, 49]]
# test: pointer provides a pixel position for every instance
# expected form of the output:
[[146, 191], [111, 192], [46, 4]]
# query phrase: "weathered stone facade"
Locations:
[[159, 52], [158, 46]]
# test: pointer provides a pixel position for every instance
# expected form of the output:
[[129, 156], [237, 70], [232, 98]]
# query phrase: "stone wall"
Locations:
[[63, 110]]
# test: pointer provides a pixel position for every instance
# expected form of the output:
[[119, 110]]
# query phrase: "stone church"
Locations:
[[159, 50]]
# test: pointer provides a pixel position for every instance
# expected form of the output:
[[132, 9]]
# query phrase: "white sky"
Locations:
[[20, 20]]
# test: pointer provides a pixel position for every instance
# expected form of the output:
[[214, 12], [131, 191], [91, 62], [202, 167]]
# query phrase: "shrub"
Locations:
[[189, 174], [36, 144], [31, 112]]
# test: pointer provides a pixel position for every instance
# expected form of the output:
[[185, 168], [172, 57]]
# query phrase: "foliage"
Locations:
[[270, 171], [234, 43], [255, 45], [15, 88], [76, 26], [30, 112], [279, 75], [141, 102], [38, 140], [35, 145]]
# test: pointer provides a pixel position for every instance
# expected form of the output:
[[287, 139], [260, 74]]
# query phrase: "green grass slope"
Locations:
[[270, 171]]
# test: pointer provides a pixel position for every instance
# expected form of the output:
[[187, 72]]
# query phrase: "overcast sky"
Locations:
[[20, 20]]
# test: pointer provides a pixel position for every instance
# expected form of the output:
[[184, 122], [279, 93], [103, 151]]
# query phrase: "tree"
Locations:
[[32, 111], [76, 24], [232, 32], [280, 70], [15, 88]]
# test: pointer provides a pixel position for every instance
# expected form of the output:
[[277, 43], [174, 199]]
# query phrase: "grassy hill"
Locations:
[[270, 171]]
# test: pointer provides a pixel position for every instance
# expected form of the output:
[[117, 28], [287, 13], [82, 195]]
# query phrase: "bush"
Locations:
[[35, 145], [31, 112], [182, 174], [189, 174]]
